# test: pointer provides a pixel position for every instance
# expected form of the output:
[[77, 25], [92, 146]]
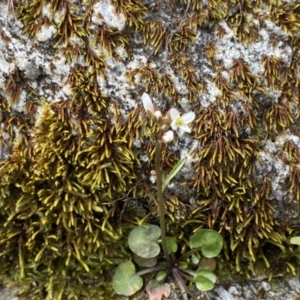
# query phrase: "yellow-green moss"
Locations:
[[71, 182]]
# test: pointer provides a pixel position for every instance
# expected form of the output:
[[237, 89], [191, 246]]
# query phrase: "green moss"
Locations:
[[69, 185]]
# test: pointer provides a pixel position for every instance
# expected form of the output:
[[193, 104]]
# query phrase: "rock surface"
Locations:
[[214, 53]]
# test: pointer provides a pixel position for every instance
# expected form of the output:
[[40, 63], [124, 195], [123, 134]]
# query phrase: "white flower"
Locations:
[[181, 122], [168, 136], [148, 105]]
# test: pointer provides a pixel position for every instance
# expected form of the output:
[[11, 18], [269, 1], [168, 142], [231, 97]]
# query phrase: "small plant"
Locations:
[[147, 240]]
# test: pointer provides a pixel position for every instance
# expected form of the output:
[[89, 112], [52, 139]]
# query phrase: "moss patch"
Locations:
[[72, 181]]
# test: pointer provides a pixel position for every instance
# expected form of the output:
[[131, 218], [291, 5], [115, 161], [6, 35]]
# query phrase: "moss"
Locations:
[[71, 182], [52, 199]]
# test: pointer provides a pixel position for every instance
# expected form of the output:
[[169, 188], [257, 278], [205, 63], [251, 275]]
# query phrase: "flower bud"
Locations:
[[153, 176], [153, 173], [168, 136], [148, 105], [157, 115]]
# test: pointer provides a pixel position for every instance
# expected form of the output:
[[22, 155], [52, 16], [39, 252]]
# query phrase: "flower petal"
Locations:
[[174, 125], [185, 128], [147, 102], [174, 114], [188, 117]]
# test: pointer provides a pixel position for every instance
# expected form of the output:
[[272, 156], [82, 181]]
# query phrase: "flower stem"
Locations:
[[186, 255], [161, 209], [150, 270]]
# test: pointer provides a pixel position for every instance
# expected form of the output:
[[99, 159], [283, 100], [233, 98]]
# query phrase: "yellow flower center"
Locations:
[[179, 122]]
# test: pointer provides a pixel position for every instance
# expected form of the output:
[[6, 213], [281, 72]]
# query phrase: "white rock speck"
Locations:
[[45, 33], [104, 12]]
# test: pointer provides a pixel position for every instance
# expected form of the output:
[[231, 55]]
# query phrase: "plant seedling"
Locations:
[[143, 240]]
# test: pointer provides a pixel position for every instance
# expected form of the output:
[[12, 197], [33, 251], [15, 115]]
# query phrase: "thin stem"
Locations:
[[150, 270], [186, 255], [181, 284], [161, 209], [188, 271], [189, 278]]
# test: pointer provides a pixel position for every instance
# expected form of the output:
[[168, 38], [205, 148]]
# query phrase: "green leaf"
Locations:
[[161, 275], [145, 262], [195, 259], [295, 240], [183, 265], [125, 281], [210, 241], [203, 284], [173, 172], [143, 241], [205, 280], [171, 244]]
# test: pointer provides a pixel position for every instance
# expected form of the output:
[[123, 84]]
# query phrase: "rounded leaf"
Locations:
[[145, 262], [210, 241], [125, 281], [171, 244], [203, 284], [143, 240], [161, 275], [205, 280], [205, 273], [183, 265], [195, 259]]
